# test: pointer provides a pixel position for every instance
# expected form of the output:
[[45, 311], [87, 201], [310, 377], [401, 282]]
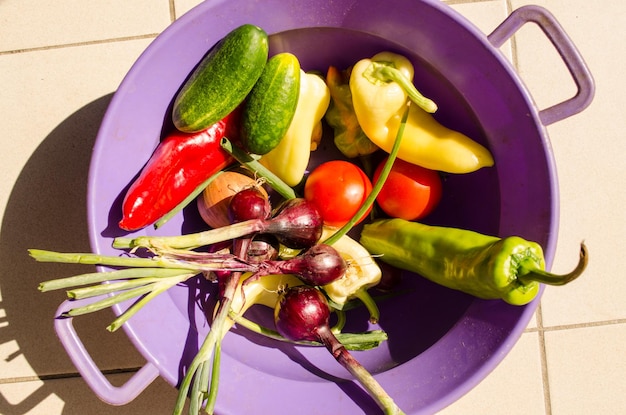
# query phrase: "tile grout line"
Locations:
[[172, 10], [539, 313], [66, 375], [578, 325], [544, 361], [70, 45]]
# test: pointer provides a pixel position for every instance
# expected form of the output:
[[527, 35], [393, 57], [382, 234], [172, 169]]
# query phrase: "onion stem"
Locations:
[[198, 190], [116, 261], [101, 289], [204, 354], [97, 277], [248, 161], [352, 341], [197, 391], [192, 240], [371, 198], [110, 301], [158, 288], [343, 356], [215, 374]]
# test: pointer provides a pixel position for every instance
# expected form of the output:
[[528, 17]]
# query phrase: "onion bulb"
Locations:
[[214, 200]]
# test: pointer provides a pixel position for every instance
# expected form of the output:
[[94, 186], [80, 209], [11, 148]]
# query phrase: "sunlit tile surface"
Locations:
[[60, 63]]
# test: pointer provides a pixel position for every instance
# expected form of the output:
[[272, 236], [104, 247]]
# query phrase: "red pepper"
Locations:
[[180, 163]]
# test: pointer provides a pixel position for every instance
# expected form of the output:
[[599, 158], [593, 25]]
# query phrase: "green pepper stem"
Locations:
[[248, 161], [529, 272], [369, 200], [382, 71], [363, 295], [341, 322]]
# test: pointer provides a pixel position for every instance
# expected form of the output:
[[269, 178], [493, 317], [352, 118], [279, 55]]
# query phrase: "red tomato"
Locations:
[[410, 191], [338, 188]]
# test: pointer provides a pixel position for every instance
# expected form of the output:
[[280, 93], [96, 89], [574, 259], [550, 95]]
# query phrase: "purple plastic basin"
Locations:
[[441, 342]]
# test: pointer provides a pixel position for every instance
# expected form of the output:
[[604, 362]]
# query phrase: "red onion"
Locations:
[[319, 265], [249, 203], [303, 314], [297, 224]]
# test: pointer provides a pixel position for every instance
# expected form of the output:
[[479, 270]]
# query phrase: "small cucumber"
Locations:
[[222, 80], [270, 106]]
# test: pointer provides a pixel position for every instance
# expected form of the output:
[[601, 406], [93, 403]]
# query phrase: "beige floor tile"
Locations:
[[29, 24], [586, 148], [183, 6], [53, 101], [72, 396], [514, 387], [56, 99], [44, 92], [586, 369]]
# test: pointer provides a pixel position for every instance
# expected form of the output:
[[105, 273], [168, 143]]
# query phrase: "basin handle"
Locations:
[[566, 49], [93, 376]]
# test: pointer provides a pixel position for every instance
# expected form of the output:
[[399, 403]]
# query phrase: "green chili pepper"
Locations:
[[485, 266]]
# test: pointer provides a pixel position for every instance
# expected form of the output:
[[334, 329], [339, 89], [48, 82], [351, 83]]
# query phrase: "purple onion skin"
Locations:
[[262, 249], [248, 203], [301, 313], [319, 265], [296, 224]]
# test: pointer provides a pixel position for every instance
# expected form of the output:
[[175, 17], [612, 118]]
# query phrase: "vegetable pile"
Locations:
[[277, 227]]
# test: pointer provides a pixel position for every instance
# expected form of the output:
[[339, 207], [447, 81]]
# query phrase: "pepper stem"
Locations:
[[532, 273], [383, 71], [370, 304]]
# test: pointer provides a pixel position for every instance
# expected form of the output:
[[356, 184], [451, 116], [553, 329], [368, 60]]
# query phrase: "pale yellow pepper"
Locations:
[[379, 103], [289, 160], [362, 274]]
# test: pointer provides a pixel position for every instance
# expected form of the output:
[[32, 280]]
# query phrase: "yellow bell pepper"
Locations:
[[290, 158], [380, 88]]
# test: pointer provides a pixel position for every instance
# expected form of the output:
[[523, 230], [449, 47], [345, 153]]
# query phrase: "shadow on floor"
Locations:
[[47, 209]]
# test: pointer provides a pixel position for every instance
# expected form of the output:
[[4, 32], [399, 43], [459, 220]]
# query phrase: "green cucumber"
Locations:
[[270, 106], [222, 80]]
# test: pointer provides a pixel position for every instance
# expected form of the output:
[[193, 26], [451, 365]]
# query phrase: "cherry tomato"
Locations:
[[338, 188], [410, 191]]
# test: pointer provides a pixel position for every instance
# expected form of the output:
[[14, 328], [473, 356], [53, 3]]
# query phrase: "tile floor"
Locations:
[[61, 61]]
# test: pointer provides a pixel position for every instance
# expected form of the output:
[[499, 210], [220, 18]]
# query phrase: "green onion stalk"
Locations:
[[363, 294]]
